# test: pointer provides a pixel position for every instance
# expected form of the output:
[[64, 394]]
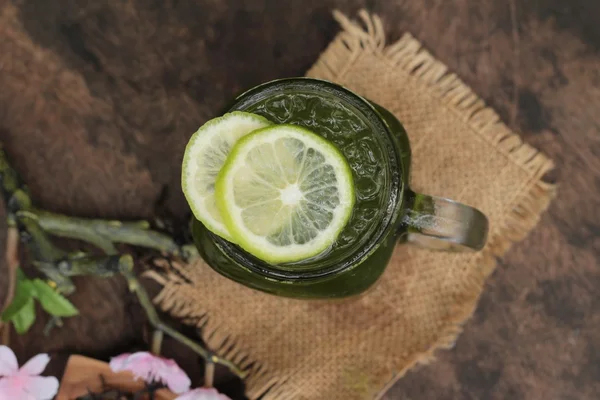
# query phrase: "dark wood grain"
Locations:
[[98, 98]]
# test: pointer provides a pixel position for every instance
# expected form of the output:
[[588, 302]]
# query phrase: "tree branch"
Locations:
[[44, 253], [126, 269], [104, 234], [12, 264], [34, 225], [209, 374]]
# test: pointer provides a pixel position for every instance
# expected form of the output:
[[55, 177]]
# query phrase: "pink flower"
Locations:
[[151, 368], [25, 383], [203, 394]]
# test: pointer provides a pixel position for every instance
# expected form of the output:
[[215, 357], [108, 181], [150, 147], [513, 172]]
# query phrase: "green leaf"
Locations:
[[51, 301], [23, 293], [21, 275], [24, 318]]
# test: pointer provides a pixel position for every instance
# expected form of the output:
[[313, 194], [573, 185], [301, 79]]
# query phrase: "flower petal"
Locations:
[[203, 394], [11, 388], [35, 366], [168, 372], [8, 362], [141, 364], [177, 382], [42, 387], [118, 363], [152, 368]]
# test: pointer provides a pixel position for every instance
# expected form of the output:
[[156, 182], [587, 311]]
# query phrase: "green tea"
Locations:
[[376, 149]]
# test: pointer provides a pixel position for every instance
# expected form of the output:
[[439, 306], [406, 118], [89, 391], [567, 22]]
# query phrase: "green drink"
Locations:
[[385, 210]]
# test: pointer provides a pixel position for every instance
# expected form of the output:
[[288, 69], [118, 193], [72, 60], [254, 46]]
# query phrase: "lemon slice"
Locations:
[[204, 156], [285, 193]]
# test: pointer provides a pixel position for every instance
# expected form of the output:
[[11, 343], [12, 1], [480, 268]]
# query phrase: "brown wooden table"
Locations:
[[98, 98]]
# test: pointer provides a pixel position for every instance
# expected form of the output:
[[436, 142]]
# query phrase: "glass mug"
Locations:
[[386, 211]]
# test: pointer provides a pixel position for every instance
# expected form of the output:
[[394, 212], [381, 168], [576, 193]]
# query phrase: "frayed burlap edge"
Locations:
[[406, 55]]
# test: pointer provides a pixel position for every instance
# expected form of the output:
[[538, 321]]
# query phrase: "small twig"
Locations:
[[5, 334], [157, 338], [103, 234], [44, 253], [209, 373], [51, 324], [136, 288], [12, 263]]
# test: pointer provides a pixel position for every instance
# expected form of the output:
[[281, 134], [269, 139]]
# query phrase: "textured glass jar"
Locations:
[[386, 211]]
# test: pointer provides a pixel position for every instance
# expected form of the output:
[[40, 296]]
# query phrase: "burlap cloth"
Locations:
[[355, 349]]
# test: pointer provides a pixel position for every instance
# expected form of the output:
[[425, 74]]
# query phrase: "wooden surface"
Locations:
[[98, 98]]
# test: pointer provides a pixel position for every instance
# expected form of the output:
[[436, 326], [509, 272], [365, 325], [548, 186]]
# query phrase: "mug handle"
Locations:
[[443, 224]]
